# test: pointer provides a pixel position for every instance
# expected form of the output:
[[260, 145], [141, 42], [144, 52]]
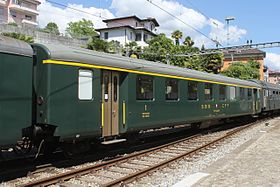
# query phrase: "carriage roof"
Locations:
[[84, 56]]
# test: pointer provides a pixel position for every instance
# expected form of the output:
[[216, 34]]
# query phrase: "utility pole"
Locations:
[[228, 19]]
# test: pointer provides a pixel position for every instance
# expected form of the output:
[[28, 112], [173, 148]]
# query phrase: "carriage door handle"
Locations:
[[114, 112]]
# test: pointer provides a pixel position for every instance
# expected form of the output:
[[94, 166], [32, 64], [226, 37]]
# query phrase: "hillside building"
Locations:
[[129, 29], [274, 77], [244, 55], [21, 12]]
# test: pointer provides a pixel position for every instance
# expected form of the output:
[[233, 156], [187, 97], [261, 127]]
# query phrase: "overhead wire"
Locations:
[[120, 23], [182, 21], [197, 9]]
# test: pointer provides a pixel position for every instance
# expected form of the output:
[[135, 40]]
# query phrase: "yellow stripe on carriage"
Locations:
[[59, 62]]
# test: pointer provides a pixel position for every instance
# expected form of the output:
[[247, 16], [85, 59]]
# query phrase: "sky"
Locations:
[[255, 20]]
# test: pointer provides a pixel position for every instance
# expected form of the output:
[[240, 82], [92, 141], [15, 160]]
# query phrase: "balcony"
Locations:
[[26, 21], [23, 9], [3, 2]]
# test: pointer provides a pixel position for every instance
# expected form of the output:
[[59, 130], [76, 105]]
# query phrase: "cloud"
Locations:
[[191, 17], [272, 60], [219, 32], [144, 9], [62, 16]]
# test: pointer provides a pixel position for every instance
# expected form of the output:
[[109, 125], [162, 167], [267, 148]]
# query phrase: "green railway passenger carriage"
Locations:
[[90, 94], [15, 89], [72, 96]]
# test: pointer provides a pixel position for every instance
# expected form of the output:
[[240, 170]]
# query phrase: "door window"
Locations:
[[106, 88], [115, 88]]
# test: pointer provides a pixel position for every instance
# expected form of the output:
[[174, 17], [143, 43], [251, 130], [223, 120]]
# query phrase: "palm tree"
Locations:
[[188, 41], [177, 35]]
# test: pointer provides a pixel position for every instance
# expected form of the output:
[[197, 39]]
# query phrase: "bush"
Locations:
[[28, 39]]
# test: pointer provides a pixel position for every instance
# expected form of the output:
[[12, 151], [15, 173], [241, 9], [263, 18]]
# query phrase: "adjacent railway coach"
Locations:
[[16, 65]]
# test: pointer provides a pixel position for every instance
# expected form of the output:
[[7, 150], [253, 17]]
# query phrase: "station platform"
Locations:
[[255, 163]]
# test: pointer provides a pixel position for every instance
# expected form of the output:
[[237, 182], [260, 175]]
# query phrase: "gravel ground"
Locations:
[[256, 165], [227, 176]]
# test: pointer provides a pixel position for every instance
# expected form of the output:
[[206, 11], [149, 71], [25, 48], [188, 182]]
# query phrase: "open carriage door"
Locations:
[[110, 103]]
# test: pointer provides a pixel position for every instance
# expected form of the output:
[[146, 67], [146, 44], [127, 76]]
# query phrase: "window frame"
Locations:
[[211, 92], [28, 17], [137, 38], [242, 96], [106, 35], [91, 85], [225, 92], [249, 94], [137, 88], [196, 93], [168, 80], [230, 93]]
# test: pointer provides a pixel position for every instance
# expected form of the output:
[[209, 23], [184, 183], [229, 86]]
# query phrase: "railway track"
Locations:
[[127, 169]]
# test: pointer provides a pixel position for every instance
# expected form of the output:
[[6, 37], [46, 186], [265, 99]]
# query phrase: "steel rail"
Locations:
[[129, 178], [70, 174]]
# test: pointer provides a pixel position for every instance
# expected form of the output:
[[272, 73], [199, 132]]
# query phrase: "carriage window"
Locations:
[[249, 94], [258, 93], [242, 94], [232, 93], [222, 92], [85, 84], [192, 90], [208, 91], [266, 93], [144, 88], [171, 89]]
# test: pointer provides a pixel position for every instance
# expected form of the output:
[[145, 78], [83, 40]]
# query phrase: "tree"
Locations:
[[177, 35], [240, 70], [188, 41], [159, 48], [114, 47], [212, 63], [97, 44], [81, 28], [52, 27], [25, 38], [131, 45], [163, 49]]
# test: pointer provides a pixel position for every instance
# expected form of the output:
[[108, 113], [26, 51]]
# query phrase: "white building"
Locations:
[[128, 29]]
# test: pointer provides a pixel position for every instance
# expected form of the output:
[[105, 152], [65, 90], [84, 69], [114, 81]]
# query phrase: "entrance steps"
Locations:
[[113, 141]]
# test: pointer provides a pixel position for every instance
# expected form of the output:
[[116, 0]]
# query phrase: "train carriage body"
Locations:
[[90, 94], [15, 89], [270, 94]]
